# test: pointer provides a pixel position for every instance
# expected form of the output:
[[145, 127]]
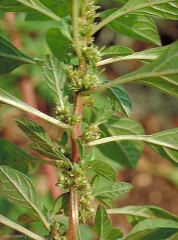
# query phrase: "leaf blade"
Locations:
[[11, 57], [114, 190], [120, 100], [33, 130], [103, 169], [54, 76], [102, 223], [20, 190], [15, 157], [126, 153]]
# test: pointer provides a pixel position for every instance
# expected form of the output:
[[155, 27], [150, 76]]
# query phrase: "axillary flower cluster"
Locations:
[[81, 79]]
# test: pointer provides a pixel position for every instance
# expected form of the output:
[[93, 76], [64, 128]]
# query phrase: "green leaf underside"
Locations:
[[145, 56], [126, 153], [11, 57], [114, 190], [47, 151], [155, 8], [138, 213], [33, 130], [60, 8], [103, 169], [42, 142], [165, 142], [13, 6], [54, 76], [28, 218], [161, 73], [153, 234], [115, 234], [15, 157], [103, 114], [19, 189], [140, 27], [38, 6], [102, 223], [120, 100], [9, 99], [154, 223], [117, 50]]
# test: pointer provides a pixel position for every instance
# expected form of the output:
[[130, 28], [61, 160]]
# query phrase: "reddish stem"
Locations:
[[73, 199]]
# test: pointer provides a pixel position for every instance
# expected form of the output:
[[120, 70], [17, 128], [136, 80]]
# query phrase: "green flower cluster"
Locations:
[[73, 178], [78, 83], [64, 115], [91, 133]]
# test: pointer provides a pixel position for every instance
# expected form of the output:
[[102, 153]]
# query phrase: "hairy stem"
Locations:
[[75, 16], [74, 228], [74, 231]]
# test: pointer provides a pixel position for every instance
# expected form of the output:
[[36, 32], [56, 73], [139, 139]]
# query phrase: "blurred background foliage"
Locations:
[[155, 180]]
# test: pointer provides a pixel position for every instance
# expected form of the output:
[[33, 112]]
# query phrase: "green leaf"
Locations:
[[33, 130], [20, 190], [11, 57], [28, 218], [54, 76], [164, 70], [80, 148], [153, 234], [120, 100], [15, 157], [165, 142], [60, 8], [103, 169], [38, 6], [161, 73], [136, 214], [113, 190], [126, 153], [173, 237], [102, 223], [95, 181], [43, 143], [59, 42], [117, 50], [61, 203], [148, 55], [154, 223], [47, 150], [137, 26], [106, 200], [13, 6], [155, 8], [103, 114], [115, 234], [145, 56], [9, 99]]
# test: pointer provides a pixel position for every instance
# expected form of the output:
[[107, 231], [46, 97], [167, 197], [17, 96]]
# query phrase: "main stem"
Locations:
[[74, 225], [73, 230]]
